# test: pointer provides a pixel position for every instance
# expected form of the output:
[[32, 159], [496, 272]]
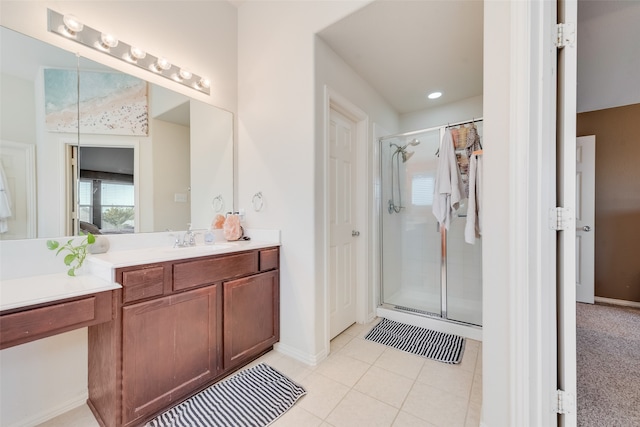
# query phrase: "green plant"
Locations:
[[77, 252]]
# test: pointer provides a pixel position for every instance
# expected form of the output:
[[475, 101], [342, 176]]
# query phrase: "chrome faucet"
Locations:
[[189, 239]]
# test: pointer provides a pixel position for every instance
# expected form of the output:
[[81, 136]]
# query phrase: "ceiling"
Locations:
[[407, 49]]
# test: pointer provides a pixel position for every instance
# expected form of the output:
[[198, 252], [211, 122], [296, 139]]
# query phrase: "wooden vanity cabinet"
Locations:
[[169, 348], [251, 317], [179, 327]]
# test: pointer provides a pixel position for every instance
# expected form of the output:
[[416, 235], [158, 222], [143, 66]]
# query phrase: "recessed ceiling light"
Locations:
[[434, 95]]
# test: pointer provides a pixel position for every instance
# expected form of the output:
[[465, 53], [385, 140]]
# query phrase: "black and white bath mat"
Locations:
[[254, 397], [424, 342]]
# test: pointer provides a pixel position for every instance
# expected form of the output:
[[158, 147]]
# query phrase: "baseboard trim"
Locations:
[[294, 353], [53, 412], [621, 302]]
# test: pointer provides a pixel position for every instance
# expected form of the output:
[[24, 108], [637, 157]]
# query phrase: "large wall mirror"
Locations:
[[142, 159]]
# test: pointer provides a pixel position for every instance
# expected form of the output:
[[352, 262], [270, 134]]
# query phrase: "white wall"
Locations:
[[211, 159], [277, 149], [608, 54], [171, 174], [453, 112]]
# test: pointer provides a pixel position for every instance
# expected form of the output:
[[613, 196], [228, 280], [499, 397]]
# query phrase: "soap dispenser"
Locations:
[[209, 237]]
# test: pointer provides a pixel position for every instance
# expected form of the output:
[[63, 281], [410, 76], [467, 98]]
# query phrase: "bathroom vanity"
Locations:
[[180, 325]]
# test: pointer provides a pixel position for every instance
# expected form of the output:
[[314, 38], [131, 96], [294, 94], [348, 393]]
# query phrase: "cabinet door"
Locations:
[[251, 317], [169, 349]]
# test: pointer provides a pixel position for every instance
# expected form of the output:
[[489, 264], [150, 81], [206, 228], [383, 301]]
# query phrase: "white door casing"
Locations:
[[18, 161], [585, 218], [566, 198], [342, 224]]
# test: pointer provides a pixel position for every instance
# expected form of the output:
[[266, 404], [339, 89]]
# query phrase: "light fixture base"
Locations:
[[92, 38]]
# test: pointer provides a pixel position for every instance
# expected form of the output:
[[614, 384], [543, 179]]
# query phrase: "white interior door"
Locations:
[[342, 231], [585, 217], [566, 198]]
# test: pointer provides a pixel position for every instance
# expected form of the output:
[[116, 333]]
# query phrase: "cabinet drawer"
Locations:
[[195, 273], [24, 326], [142, 283], [268, 259]]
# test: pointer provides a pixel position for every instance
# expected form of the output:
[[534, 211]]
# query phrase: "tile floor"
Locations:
[[366, 384]]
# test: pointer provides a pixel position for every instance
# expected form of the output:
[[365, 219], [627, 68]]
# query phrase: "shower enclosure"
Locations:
[[425, 270]]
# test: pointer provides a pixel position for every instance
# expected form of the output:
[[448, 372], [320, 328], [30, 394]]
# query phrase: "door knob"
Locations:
[[586, 228], [355, 233]]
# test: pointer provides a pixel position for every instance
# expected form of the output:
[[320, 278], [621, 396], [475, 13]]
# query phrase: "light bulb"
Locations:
[[204, 83], [161, 65], [185, 74], [134, 54], [108, 41], [434, 95], [72, 25]]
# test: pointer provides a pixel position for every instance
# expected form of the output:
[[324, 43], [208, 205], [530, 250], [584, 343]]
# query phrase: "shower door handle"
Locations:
[[355, 233]]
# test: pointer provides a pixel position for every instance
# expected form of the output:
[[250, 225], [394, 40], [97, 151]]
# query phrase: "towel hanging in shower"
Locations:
[[473, 227], [448, 188]]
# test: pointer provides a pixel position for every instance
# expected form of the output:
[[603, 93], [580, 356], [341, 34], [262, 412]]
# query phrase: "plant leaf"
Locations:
[[69, 259], [91, 239], [52, 244], [71, 272]]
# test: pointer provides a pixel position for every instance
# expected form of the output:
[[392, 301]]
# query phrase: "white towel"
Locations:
[[473, 227], [5, 201], [449, 189]]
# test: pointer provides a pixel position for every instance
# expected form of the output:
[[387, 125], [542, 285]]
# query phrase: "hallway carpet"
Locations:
[[608, 365]]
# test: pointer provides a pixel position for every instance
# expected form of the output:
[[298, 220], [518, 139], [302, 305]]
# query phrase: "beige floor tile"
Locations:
[[405, 419], [359, 329], [476, 389], [340, 341], [297, 417], [470, 355], [292, 368], [323, 394], [360, 410], [474, 412], [78, 417], [385, 386], [405, 364], [361, 349], [449, 378], [436, 406], [346, 370]]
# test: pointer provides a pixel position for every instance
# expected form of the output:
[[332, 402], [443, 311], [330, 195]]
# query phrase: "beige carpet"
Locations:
[[608, 356]]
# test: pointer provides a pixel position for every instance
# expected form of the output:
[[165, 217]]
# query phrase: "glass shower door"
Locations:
[[410, 250]]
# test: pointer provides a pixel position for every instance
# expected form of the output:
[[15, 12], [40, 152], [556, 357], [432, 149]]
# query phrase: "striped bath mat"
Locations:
[[438, 346], [254, 397]]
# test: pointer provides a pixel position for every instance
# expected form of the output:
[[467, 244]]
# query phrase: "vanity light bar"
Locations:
[[69, 27]]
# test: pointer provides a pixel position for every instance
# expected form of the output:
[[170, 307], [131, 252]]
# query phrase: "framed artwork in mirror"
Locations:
[[110, 103]]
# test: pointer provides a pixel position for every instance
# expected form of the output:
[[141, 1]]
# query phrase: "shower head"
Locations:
[[406, 155]]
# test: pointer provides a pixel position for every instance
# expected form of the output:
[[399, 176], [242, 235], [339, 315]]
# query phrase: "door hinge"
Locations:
[[565, 34], [560, 219], [565, 402]]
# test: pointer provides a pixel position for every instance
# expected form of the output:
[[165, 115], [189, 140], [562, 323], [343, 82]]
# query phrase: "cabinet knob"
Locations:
[[355, 233]]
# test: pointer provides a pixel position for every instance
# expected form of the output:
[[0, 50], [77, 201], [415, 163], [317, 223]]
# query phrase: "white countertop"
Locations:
[[128, 258], [16, 293]]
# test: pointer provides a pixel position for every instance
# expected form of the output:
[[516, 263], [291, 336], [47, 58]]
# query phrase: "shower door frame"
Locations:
[[443, 239]]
